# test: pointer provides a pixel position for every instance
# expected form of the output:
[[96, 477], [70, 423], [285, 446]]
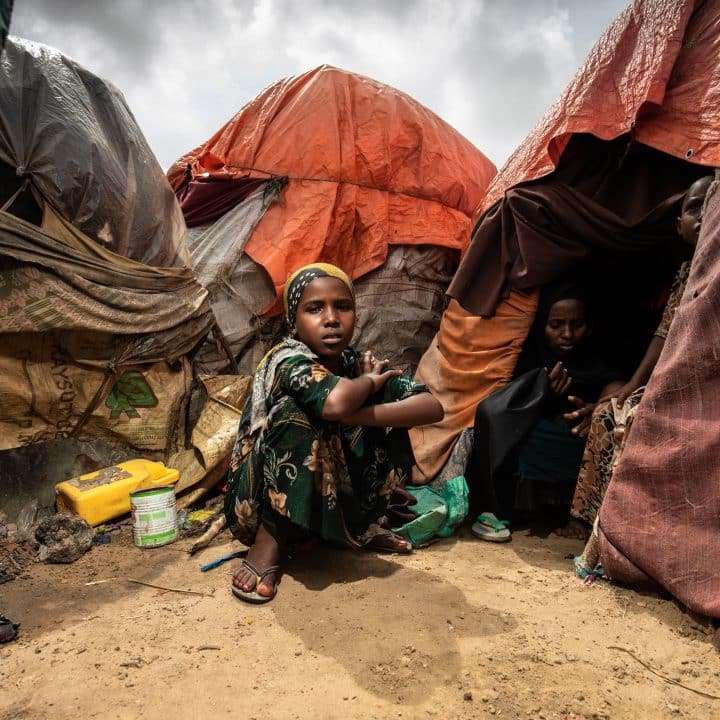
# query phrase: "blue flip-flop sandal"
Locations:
[[488, 527]]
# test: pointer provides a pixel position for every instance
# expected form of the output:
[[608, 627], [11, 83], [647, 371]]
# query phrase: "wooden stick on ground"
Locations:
[[216, 527], [660, 675], [168, 589]]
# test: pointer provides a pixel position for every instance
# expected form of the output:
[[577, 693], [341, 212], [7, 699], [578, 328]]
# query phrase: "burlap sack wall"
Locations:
[[45, 391]]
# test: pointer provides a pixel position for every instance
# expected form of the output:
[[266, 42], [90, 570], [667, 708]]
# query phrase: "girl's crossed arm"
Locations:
[[420, 409], [348, 395], [345, 401]]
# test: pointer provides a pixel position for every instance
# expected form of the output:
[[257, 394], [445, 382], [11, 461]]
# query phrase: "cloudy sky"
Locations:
[[488, 67]]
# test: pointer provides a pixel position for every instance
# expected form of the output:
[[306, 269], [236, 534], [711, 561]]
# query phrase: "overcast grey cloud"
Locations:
[[488, 67]]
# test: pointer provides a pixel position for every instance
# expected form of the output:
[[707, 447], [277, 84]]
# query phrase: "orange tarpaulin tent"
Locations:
[[654, 75], [655, 71], [368, 167]]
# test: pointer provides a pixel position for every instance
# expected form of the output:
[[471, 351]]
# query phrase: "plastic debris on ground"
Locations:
[[8, 629]]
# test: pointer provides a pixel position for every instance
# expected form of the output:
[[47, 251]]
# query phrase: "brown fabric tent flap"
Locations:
[[471, 357], [604, 198], [73, 285]]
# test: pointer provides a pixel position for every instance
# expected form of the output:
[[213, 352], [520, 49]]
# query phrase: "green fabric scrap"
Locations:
[[438, 513], [455, 493]]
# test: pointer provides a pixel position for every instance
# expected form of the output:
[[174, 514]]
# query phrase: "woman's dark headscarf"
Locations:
[[588, 372]]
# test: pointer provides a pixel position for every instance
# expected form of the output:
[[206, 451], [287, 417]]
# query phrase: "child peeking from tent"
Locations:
[[613, 416], [314, 455], [529, 435]]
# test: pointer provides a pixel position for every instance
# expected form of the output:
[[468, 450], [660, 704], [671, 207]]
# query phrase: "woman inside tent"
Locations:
[[529, 436], [613, 416]]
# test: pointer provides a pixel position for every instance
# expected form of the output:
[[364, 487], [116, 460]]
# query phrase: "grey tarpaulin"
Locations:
[[73, 136]]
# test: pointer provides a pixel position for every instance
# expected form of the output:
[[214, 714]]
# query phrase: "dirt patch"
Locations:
[[15, 555], [461, 629]]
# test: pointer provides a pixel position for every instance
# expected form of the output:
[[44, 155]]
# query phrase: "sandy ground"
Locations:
[[461, 629]]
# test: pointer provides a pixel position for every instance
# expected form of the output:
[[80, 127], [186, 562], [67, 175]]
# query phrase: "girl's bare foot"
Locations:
[[389, 542], [574, 529], [265, 552]]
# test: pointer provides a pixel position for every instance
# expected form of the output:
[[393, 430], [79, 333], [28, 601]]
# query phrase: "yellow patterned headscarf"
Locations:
[[301, 278]]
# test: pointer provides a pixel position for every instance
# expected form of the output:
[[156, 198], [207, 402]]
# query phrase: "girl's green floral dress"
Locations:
[[330, 479]]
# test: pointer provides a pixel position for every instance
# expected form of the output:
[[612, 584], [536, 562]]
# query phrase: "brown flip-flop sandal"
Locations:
[[252, 596]]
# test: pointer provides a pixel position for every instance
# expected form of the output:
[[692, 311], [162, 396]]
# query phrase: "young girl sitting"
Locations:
[[529, 435], [313, 454]]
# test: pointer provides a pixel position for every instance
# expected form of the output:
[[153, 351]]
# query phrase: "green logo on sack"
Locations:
[[129, 392]]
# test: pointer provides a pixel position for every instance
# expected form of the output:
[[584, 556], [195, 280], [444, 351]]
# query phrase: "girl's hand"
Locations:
[[623, 393], [348, 396], [559, 379], [375, 369], [379, 378], [367, 361], [583, 415]]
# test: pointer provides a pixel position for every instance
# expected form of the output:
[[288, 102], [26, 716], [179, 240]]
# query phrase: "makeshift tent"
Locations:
[[99, 308], [336, 167], [602, 171], [598, 181]]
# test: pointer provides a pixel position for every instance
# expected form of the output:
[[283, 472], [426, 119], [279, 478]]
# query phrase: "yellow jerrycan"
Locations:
[[105, 494]]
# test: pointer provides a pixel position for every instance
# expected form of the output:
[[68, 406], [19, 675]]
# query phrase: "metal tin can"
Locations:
[[154, 516]]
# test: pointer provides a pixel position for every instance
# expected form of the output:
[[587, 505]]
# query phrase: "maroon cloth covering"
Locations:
[[660, 520], [205, 199], [603, 198]]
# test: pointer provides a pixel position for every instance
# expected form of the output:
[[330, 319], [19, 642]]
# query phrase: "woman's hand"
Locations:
[[583, 415], [559, 379]]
